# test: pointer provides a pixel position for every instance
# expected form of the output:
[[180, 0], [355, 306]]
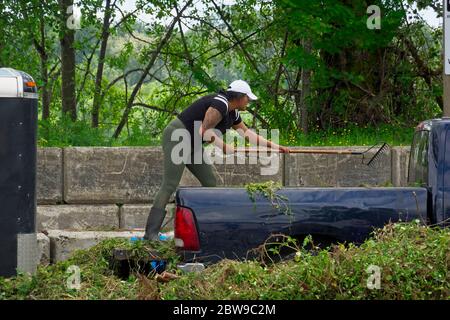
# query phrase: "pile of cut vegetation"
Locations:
[[99, 274], [412, 260]]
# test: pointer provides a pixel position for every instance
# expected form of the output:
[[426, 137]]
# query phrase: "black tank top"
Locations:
[[197, 111]]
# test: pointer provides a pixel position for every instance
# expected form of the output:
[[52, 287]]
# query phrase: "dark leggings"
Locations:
[[173, 172]]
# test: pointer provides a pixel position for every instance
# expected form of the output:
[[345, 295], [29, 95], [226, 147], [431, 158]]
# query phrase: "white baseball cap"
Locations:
[[242, 87]]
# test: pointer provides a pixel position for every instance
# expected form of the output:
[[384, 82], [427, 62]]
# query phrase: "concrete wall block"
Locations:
[[333, 170], [77, 217], [49, 176], [406, 152], [310, 170], [396, 167], [189, 180], [135, 217], [112, 175], [239, 170], [43, 244], [256, 169], [400, 166], [64, 243], [352, 172]]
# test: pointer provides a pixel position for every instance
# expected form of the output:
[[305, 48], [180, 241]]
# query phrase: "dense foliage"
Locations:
[[317, 66]]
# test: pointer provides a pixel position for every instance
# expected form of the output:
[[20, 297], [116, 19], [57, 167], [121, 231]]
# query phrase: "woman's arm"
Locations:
[[256, 139], [212, 118]]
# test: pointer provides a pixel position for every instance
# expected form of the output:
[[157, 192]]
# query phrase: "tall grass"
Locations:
[[65, 133], [353, 135]]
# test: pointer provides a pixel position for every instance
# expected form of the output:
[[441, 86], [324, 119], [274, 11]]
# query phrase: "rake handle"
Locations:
[[302, 151]]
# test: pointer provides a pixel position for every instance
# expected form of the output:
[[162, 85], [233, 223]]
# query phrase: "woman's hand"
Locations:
[[284, 149], [227, 149]]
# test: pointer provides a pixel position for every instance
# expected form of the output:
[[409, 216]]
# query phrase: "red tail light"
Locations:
[[186, 235]]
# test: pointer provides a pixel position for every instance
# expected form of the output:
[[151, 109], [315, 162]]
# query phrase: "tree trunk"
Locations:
[[44, 72], [306, 91], [423, 68], [101, 63], [280, 71], [247, 55], [67, 63], [138, 85]]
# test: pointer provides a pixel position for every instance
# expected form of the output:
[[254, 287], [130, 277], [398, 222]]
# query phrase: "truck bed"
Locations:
[[229, 224]]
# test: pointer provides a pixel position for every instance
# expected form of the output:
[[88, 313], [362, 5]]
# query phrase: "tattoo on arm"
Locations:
[[212, 118]]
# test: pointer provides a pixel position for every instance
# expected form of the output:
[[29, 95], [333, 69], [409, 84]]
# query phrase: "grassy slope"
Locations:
[[414, 262], [80, 134]]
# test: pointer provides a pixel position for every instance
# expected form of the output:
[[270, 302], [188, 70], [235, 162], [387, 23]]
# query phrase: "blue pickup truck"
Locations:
[[209, 227]]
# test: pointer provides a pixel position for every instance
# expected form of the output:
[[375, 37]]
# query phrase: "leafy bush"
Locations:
[[413, 259], [65, 133]]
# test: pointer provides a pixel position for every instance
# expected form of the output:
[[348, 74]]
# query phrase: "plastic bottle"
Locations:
[[166, 236], [191, 267]]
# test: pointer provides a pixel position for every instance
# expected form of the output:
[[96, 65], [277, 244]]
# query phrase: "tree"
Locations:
[[108, 14], [67, 41], [147, 68]]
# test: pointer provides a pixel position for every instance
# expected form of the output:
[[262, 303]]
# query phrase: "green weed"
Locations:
[[269, 191], [413, 260]]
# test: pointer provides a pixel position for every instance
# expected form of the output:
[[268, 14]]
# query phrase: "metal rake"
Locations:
[[383, 147]]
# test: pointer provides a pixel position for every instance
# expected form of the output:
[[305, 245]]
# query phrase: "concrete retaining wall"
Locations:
[[133, 175], [64, 243], [400, 162], [77, 217], [135, 216], [325, 170], [43, 245], [111, 175], [49, 175]]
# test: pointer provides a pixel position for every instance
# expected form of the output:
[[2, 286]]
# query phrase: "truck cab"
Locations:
[[429, 166]]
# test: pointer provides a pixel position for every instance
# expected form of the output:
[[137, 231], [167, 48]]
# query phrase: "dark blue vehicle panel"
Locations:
[[438, 169], [230, 224]]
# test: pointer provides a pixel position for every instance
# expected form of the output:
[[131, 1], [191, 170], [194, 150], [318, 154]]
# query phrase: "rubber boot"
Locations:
[[154, 222]]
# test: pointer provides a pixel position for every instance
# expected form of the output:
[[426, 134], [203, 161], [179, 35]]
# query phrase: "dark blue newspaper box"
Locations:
[[18, 130]]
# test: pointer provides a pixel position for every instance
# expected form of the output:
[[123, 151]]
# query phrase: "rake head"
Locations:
[[377, 156]]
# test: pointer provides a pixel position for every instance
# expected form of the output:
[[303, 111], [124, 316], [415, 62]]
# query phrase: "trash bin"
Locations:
[[18, 130]]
